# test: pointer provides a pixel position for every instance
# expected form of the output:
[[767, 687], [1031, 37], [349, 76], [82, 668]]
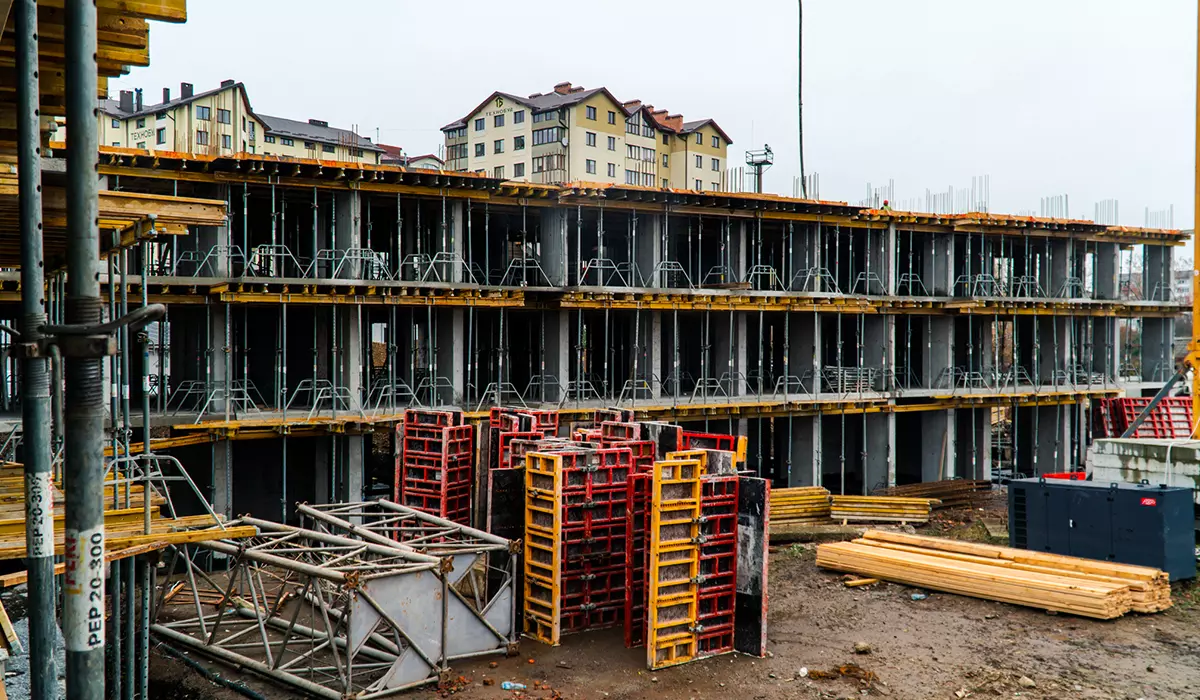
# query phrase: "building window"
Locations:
[[160, 115], [498, 172], [716, 142], [648, 179], [479, 124], [287, 142], [590, 138], [310, 145], [251, 128], [699, 139], [665, 183], [358, 153], [699, 161], [458, 151], [666, 140], [518, 170], [612, 117], [201, 138], [541, 136], [632, 151], [203, 112], [243, 123], [612, 143], [612, 169], [631, 177], [590, 166], [699, 185], [519, 116], [648, 155], [479, 152], [498, 120], [160, 136], [116, 143], [539, 164], [141, 145], [715, 187], [223, 116], [327, 148], [498, 146], [226, 141], [591, 113], [716, 165], [141, 123], [116, 124], [518, 143], [268, 138], [664, 160]]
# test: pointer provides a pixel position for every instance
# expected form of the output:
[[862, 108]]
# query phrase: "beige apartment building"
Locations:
[[573, 134], [221, 122]]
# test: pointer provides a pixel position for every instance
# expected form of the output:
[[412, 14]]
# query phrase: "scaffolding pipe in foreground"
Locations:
[[35, 379]]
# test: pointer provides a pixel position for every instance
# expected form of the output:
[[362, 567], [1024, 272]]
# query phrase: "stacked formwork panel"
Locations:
[[437, 460], [575, 547]]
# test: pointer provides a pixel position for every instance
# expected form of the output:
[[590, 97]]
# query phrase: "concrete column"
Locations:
[[1056, 266], [877, 350], [804, 449], [451, 359], [1054, 349], [321, 468], [739, 243], [1156, 271], [974, 453], [557, 357], [1053, 442], [354, 467], [937, 445], [456, 241], [1157, 349], [731, 351], [935, 265], [350, 351], [649, 253], [347, 231], [804, 356], [222, 478], [1108, 269], [888, 274], [218, 358], [879, 467], [941, 349], [553, 245]]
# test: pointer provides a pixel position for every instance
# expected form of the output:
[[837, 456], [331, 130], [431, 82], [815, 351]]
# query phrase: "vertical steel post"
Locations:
[[35, 385], [83, 585]]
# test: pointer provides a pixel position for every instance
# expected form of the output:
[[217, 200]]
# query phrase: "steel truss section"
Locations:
[[375, 599]]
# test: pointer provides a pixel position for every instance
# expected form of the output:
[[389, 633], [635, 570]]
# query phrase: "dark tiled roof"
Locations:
[[113, 107], [315, 132], [689, 127]]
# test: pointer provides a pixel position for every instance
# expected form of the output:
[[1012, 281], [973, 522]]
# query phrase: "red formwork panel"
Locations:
[[618, 415], [430, 417], [613, 431], [586, 435], [1170, 419], [545, 422], [436, 466], [707, 441], [594, 526], [718, 565], [637, 524], [505, 441], [398, 436]]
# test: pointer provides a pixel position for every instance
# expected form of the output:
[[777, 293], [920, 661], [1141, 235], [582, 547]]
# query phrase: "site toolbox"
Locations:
[[1143, 524]]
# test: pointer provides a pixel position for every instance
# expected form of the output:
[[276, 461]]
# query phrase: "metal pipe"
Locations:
[[83, 586], [36, 406]]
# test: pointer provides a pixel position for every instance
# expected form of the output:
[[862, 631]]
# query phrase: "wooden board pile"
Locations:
[[881, 509], [1085, 587], [951, 492], [803, 505]]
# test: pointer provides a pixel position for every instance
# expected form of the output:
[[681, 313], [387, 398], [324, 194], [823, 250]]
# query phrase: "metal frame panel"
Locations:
[[673, 602]]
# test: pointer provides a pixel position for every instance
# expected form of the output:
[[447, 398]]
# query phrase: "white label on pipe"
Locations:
[[39, 515], [83, 589], [146, 384]]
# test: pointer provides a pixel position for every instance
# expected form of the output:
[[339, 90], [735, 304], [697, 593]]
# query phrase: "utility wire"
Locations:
[[800, 90]]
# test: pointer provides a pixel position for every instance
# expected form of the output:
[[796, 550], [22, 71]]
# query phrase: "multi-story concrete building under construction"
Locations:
[[572, 134], [855, 347]]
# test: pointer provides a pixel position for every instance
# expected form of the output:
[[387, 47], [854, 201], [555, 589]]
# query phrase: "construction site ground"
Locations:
[[944, 646]]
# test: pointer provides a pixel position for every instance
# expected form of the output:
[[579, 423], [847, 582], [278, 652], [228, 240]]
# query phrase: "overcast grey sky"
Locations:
[[1091, 99]]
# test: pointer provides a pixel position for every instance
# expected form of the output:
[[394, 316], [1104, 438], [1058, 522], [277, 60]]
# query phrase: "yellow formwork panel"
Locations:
[[543, 546], [674, 557], [701, 455]]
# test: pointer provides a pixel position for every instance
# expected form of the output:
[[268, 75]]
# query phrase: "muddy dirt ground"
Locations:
[[944, 646]]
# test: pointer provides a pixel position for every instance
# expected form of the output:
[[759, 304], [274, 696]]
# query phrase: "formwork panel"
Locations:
[[636, 543], [543, 547], [674, 563], [718, 565]]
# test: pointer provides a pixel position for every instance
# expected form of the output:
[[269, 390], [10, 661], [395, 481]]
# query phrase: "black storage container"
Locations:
[[1129, 523]]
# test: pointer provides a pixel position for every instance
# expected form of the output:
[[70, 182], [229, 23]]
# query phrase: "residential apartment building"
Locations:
[[573, 134], [221, 122]]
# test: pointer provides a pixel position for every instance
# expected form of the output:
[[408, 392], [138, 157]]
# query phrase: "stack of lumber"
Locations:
[[881, 509], [1085, 587], [804, 505], [951, 492]]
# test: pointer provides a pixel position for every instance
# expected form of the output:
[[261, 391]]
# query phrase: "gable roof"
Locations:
[[540, 102], [689, 127], [113, 107], [323, 133]]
